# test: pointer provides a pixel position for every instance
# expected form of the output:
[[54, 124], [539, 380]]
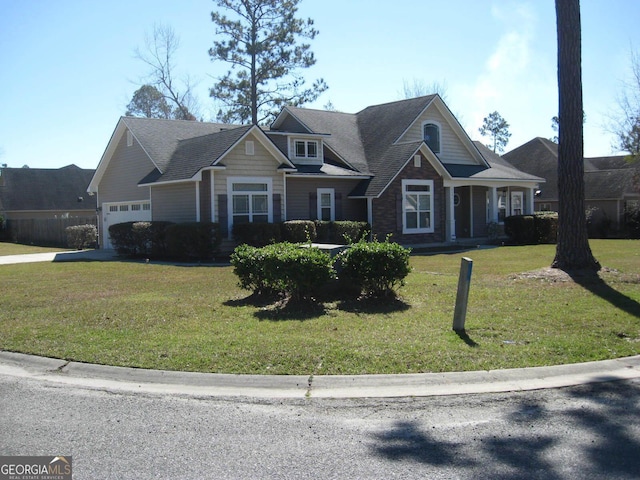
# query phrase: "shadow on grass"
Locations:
[[591, 281], [276, 308], [464, 336], [291, 309]]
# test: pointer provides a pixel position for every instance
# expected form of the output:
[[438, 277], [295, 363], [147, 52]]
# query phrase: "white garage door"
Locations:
[[121, 212]]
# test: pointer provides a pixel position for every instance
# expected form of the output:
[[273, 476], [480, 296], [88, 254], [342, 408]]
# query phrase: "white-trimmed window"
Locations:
[[502, 205], [305, 148], [326, 204], [250, 200], [431, 136], [517, 203], [417, 206]]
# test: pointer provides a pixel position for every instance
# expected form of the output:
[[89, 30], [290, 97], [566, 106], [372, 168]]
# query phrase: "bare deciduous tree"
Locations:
[[159, 54]]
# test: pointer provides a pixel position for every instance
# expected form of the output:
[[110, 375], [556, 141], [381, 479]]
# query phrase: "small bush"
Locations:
[[257, 234], [123, 239], [81, 236], [546, 227], [632, 220], [341, 232], [248, 265], [282, 268], [299, 231], [193, 240], [521, 229], [350, 232], [324, 231], [375, 267]]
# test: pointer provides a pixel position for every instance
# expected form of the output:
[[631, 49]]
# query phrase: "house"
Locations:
[[406, 167], [609, 181], [41, 193]]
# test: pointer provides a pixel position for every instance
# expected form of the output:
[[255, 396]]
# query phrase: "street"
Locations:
[[589, 431]]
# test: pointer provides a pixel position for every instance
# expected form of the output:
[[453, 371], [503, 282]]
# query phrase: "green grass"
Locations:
[[197, 319], [7, 248]]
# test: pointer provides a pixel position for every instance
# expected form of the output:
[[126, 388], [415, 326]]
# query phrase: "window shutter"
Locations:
[[223, 216], [313, 206], [399, 213], [277, 208], [338, 200]]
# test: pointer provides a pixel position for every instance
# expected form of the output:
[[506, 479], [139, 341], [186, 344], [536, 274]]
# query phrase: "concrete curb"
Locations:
[[319, 386]]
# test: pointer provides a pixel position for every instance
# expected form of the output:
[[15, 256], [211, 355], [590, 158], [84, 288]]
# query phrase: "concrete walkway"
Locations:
[[65, 256], [314, 386]]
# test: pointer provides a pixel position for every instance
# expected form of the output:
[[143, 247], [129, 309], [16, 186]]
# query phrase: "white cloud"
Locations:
[[517, 79]]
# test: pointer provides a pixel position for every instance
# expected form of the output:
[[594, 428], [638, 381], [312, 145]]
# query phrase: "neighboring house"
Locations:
[[407, 167], [45, 193], [609, 181]]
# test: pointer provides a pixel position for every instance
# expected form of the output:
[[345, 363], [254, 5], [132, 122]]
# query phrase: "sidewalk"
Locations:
[[318, 386], [65, 256]]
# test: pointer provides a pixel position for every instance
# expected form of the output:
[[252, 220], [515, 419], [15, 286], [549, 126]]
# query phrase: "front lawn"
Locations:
[[196, 318], [8, 248]]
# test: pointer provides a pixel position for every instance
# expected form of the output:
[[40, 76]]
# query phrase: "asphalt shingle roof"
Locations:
[[160, 137], [193, 154], [605, 177], [46, 189]]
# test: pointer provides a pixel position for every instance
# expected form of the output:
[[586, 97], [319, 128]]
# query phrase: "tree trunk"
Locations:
[[573, 251]]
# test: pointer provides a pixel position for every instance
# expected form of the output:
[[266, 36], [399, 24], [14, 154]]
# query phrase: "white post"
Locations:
[[530, 204], [462, 298], [493, 206], [452, 215], [197, 201]]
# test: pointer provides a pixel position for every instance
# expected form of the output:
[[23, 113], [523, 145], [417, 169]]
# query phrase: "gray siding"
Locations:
[[479, 202], [452, 149], [238, 164], [127, 167], [298, 204], [174, 203]]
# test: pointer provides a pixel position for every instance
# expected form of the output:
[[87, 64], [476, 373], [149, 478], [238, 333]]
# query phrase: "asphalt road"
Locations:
[[589, 431]]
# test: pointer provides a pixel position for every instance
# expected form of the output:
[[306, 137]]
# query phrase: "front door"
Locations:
[[462, 205]]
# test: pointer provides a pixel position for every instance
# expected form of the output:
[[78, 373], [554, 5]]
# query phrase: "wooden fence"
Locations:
[[49, 232]]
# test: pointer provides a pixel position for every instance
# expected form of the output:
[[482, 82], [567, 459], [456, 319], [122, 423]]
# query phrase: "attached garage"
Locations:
[[122, 212]]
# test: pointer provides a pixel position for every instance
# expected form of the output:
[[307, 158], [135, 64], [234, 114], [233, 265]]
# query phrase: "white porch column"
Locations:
[[213, 197], [493, 204], [451, 215], [197, 201], [530, 198]]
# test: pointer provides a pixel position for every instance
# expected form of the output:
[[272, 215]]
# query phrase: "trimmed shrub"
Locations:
[[546, 227], [347, 232], [521, 229], [324, 231], [296, 271], [541, 227], [81, 236], [156, 236], [123, 239], [632, 220], [248, 265], [282, 268], [257, 234], [342, 232], [375, 267], [299, 231], [193, 240]]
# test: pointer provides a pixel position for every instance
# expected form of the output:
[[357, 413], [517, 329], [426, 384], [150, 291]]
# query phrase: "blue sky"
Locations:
[[68, 70]]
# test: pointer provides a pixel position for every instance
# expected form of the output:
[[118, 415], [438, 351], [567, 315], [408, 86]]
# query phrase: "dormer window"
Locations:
[[306, 149], [431, 133]]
